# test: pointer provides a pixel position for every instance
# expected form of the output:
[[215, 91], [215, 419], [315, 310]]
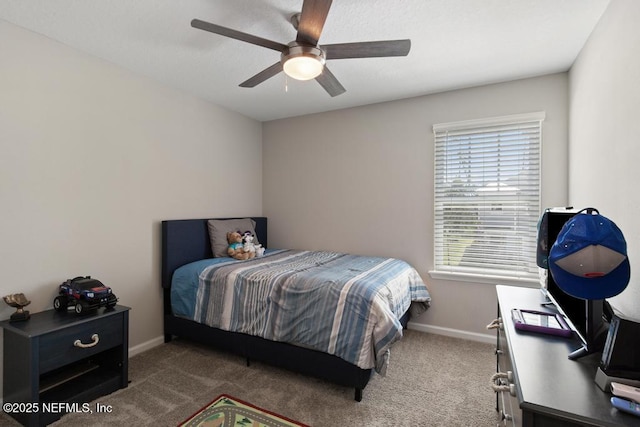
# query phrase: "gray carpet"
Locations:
[[432, 380]]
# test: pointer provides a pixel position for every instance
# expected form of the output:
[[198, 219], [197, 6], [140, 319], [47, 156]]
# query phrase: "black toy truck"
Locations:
[[85, 294]]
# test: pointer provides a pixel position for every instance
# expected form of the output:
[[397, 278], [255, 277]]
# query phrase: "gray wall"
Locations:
[[361, 180], [92, 158], [605, 132]]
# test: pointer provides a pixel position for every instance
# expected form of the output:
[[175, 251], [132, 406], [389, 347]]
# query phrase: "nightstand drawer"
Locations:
[[68, 345]]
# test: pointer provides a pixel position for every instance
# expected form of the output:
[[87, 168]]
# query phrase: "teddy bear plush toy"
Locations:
[[247, 243], [255, 249], [235, 249], [250, 247]]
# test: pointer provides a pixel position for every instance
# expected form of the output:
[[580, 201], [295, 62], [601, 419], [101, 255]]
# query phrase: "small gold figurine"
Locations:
[[19, 301]]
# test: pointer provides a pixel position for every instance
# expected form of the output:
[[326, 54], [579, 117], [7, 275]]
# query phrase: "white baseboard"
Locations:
[[438, 330], [455, 333], [148, 345]]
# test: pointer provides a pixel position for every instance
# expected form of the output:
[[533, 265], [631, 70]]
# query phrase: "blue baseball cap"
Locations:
[[589, 257]]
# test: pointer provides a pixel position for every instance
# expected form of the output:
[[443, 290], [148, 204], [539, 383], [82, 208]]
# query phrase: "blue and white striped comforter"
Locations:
[[341, 304]]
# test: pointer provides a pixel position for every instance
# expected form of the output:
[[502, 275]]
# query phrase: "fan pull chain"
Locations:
[[286, 83]]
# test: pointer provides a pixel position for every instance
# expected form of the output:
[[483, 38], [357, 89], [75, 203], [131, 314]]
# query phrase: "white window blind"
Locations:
[[487, 196]]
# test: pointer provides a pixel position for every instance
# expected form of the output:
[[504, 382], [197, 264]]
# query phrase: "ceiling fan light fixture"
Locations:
[[302, 62], [303, 67]]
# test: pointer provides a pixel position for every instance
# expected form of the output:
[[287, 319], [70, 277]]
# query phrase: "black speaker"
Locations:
[[620, 360]]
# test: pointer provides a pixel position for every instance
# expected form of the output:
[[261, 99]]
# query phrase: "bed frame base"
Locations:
[[297, 359]]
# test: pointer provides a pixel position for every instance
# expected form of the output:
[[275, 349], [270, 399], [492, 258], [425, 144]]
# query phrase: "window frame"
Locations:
[[466, 274]]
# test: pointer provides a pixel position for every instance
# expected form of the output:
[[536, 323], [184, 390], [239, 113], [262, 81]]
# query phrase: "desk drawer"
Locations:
[[57, 348], [511, 414]]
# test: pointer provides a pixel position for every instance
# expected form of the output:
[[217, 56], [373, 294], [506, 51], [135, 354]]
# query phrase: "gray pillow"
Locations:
[[218, 229]]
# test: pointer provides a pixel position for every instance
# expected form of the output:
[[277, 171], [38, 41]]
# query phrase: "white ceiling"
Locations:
[[455, 44]]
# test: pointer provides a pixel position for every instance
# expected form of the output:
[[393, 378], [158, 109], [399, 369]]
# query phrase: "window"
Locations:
[[487, 197]]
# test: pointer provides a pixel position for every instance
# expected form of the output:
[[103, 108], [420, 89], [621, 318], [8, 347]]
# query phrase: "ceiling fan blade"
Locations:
[[263, 75], [238, 35], [368, 49], [329, 82], [314, 14]]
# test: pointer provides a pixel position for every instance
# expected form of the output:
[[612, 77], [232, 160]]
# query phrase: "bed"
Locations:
[[190, 270]]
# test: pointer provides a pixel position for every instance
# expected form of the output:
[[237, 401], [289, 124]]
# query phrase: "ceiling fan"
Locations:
[[303, 58]]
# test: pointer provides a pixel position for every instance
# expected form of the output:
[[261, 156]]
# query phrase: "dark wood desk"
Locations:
[[551, 390]]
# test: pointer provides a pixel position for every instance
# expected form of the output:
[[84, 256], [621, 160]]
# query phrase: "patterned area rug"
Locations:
[[227, 411]]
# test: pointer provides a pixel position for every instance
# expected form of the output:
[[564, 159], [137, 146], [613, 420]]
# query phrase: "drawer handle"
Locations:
[[495, 324], [95, 338], [498, 385], [505, 417]]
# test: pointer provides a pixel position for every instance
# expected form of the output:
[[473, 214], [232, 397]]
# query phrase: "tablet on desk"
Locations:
[[541, 322]]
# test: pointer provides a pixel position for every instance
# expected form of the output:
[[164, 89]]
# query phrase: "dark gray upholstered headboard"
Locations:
[[187, 240]]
